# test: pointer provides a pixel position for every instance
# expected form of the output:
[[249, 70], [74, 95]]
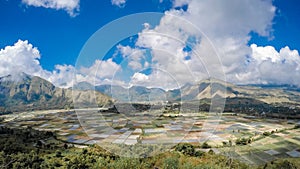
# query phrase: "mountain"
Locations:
[[206, 90], [26, 92], [31, 92], [211, 88], [83, 86], [132, 94]]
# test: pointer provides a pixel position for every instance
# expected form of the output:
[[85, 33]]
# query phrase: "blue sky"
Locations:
[[58, 36], [59, 32], [286, 26]]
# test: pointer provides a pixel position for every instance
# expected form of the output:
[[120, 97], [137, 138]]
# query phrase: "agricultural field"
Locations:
[[270, 139]]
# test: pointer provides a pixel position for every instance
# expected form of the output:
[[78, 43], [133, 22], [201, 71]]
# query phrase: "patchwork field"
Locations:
[[219, 132]]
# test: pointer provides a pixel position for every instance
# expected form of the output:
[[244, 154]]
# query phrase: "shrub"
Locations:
[[186, 149], [266, 133], [171, 163], [58, 154], [199, 153], [205, 145], [243, 141]]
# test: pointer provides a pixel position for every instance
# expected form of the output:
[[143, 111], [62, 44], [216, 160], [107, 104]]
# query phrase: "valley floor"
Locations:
[[266, 139]]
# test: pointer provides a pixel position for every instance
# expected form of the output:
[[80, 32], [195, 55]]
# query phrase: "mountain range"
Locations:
[[205, 89], [31, 93], [34, 93]]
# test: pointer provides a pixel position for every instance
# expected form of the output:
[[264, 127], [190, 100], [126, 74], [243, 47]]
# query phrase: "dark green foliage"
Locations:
[[186, 149], [266, 133], [22, 148], [58, 154], [205, 145], [199, 153], [243, 141], [281, 164]]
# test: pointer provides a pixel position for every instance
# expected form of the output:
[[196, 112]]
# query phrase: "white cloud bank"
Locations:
[[71, 6], [23, 57], [227, 25], [268, 66]]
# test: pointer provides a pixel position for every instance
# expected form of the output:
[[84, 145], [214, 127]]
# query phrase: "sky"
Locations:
[[155, 43]]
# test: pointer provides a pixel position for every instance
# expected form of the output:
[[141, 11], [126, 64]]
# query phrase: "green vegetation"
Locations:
[[243, 141], [28, 148], [283, 163], [297, 126], [205, 145], [267, 133]]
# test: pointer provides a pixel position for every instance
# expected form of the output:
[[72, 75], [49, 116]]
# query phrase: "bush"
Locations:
[[243, 141], [58, 154], [171, 163], [281, 164], [186, 149], [199, 153], [266, 133], [205, 145]]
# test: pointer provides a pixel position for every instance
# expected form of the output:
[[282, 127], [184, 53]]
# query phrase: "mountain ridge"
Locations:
[[35, 93], [205, 89]]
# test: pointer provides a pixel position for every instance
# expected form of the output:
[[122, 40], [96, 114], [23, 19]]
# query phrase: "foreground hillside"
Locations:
[[34, 93], [28, 148]]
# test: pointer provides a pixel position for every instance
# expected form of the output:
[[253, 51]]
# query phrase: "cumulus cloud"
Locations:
[[101, 71], [62, 76], [268, 66], [217, 33], [139, 77], [119, 3], [134, 56], [23, 57], [71, 6], [157, 79]]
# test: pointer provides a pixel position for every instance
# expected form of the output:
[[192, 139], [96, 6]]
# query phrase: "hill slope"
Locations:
[[31, 92]]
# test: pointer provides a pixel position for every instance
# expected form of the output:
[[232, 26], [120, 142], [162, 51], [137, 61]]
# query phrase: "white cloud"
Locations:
[[266, 65], [62, 76], [119, 3], [264, 53], [134, 56], [157, 79], [99, 71], [71, 6], [139, 77], [226, 24], [22, 57]]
